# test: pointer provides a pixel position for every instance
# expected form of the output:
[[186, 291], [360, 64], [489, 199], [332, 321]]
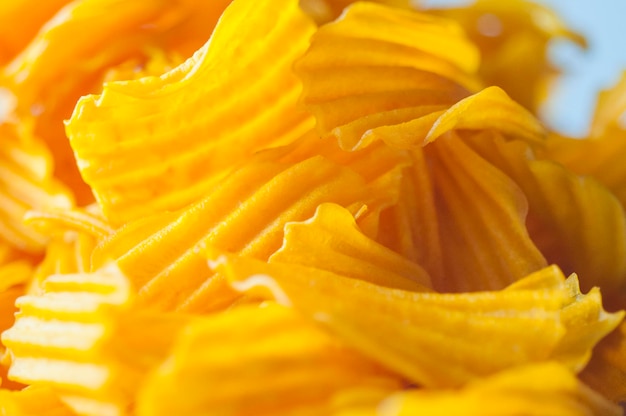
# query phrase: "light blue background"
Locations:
[[603, 23]]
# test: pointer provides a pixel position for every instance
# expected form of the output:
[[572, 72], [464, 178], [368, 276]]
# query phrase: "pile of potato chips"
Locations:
[[266, 207]]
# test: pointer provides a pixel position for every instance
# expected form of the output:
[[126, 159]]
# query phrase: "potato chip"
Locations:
[[482, 217], [82, 338], [606, 371], [237, 260], [379, 66], [244, 214], [508, 34], [113, 129], [26, 183], [411, 227], [277, 363], [431, 338], [514, 392], [575, 221], [600, 154], [332, 241], [324, 11], [20, 20], [33, 401]]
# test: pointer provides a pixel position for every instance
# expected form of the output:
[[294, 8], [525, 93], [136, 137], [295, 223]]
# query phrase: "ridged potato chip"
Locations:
[[303, 207]]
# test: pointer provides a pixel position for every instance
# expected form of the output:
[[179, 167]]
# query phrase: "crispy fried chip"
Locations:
[[33, 401], [377, 66], [20, 20], [46, 88], [332, 241], [606, 371], [508, 34], [277, 363], [26, 183], [302, 216], [411, 227], [482, 215], [244, 214], [601, 154], [81, 337], [431, 338], [147, 169], [574, 220], [489, 109], [514, 392]]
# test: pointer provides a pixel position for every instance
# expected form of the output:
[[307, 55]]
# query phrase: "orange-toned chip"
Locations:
[[46, 87], [228, 101], [275, 363], [14, 277], [332, 241], [575, 221], [489, 109], [378, 66], [245, 214], [239, 261], [583, 316], [601, 154], [33, 401], [324, 11], [537, 390], [20, 20], [57, 335], [435, 340], [411, 227], [606, 371], [81, 337], [26, 183], [482, 219], [513, 38]]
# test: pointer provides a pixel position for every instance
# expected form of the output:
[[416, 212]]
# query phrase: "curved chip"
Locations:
[[57, 334], [600, 155], [411, 226], [378, 66], [606, 371], [482, 218], [332, 241], [20, 20], [575, 221], [82, 337], [277, 363], [33, 401], [513, 392], [432, 339], [245, 214], [26, 183], [128, 139], [324, 11], [508, 34]]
